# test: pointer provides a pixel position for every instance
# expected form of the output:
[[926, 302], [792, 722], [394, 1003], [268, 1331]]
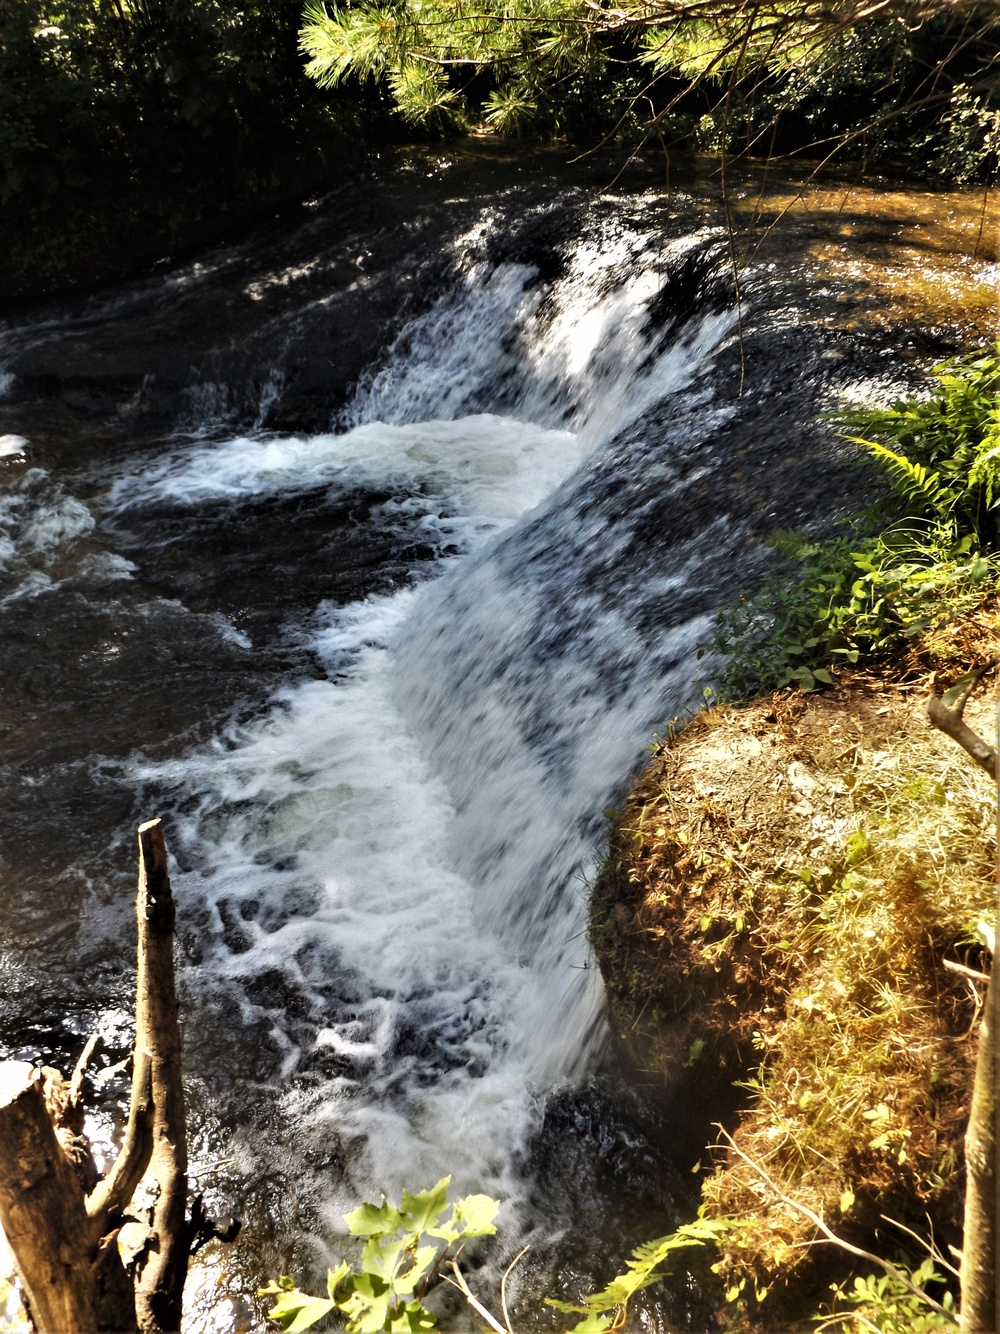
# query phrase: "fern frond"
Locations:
[[985, 470], [912, 480]]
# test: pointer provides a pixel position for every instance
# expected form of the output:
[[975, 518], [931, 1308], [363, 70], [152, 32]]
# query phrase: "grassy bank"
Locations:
[[790, 878]]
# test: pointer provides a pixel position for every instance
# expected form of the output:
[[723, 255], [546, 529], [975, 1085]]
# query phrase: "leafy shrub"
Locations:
[[942, 454], [401, 1255], [866, 596], [404, 1254], [881, 1302]]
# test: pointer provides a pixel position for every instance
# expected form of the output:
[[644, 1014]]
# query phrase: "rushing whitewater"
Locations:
[[407, 840]]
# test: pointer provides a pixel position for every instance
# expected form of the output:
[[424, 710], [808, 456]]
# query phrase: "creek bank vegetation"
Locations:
[[784, 889], [800, 891]]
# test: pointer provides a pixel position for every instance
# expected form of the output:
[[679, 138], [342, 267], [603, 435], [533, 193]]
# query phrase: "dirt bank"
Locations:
[[783, 888]]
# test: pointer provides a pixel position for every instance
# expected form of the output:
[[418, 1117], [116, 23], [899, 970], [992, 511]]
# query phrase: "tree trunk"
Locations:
[[61, 1222], [979, 1311], [980, 1302], [42, 1209]]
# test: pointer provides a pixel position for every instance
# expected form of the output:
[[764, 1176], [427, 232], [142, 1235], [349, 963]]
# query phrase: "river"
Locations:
[[370, 552]]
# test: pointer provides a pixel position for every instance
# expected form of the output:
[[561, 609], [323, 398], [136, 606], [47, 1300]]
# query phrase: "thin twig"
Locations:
[[961, 969], [463, 1287], [503, 1284], [80, 1069], [847, 1315], [831, 1236], [932, 1251]]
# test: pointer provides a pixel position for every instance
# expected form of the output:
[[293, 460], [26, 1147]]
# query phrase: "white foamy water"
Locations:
[[46, 536], [483, 469], [407, 842]]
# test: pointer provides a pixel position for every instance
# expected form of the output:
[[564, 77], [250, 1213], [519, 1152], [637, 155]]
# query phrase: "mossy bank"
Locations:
[[782, 891]]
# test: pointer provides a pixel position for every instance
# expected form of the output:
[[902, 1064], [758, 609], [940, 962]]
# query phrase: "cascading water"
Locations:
[[380, 680], [436, 799]]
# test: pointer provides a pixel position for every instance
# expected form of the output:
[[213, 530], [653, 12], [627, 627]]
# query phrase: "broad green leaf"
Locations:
[[413, 1318], [381, 1256], [335, 1277], [423, 1262], [419, 1211], [474, 1214], [367, 1307], [294, 1310], [471, 1217], [595, 1323], [370, 1220]]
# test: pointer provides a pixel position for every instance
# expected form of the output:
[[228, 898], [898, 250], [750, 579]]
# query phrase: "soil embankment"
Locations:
[[783, 888]]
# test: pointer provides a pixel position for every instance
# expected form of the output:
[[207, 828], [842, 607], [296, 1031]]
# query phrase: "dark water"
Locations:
[[370, 552]]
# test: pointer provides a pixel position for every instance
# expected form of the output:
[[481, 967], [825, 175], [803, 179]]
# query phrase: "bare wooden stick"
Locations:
[[474, 1302], [951, 723], [41, 1208], [75, 1092], [962, 971], [110, 1196], [159, 1285]]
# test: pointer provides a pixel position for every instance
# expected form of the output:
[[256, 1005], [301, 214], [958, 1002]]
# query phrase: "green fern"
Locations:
[[606, 1309], [918, 486], [942, 453]]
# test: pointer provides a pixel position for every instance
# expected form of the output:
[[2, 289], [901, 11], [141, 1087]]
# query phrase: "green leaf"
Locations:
[[594, 1323], [405, 1284], [370, 1220], [413, 1318], [474, 1215], [381, 1256], [419, 1211], [367, 1307], [335, 1277], [294, 1310]]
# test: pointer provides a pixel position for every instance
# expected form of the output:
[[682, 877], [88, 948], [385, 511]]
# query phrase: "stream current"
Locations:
[[370, 554]]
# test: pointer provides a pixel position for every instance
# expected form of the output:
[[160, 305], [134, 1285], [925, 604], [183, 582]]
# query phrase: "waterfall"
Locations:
[[403, 843]]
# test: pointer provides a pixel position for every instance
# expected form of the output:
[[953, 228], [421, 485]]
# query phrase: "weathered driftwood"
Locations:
[[62, 1223], [159, 1283], [42, 1208]]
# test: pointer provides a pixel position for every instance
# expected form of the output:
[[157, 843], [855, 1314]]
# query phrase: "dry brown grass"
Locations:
[[781, 891]]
